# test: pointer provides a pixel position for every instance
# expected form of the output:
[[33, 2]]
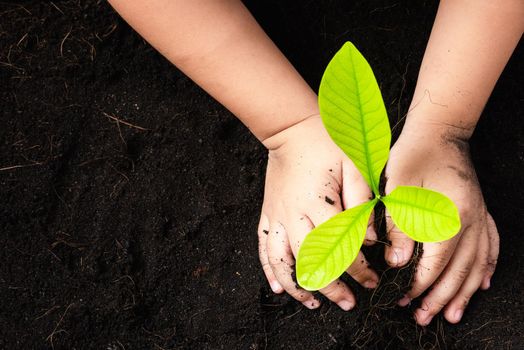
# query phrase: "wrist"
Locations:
[[443, 114], [431, 136], [439, 123], [289, 133]]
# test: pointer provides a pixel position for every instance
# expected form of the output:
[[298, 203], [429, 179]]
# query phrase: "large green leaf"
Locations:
[[329, 249], [353, 112], [422, 214]]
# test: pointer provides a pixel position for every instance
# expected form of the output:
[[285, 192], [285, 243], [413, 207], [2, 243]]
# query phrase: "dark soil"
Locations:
[[140, 234]]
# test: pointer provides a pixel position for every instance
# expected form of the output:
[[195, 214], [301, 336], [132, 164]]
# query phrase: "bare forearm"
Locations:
[[219, 45], [470, 44]]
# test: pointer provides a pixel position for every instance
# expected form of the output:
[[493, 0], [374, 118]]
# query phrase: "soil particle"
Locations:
[[329, 200]]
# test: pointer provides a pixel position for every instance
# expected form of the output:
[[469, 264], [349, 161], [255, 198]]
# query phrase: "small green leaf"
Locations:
[[422, 214], [330, 248], [353, 113]]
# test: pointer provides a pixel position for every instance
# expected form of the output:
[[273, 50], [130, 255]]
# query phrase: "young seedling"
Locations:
[[355, 117]]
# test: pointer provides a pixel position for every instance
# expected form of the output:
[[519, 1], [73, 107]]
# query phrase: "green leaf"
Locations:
[[353, 113], [330, 248], [422, 214]]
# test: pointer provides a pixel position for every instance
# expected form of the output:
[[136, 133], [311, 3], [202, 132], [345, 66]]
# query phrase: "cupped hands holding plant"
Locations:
[[308, 180], [437, 157]]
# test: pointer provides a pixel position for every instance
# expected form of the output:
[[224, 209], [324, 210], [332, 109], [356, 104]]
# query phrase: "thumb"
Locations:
[[355, 191], [399, 252]]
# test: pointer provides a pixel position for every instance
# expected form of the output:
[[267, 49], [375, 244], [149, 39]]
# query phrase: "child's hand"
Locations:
[[307, 175], [438, 158]]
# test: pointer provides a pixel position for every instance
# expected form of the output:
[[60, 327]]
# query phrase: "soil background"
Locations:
[[143, 235]]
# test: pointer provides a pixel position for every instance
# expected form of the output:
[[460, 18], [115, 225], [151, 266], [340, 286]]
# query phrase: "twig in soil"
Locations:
[[125, 276], [55, 331], [56, 7], [190, 319], [53, 254], [12, 167], [91, 49], [63, 40], [10, 65], [118, 120], [18, 7], [119, 172], [478, 329], [69, 244], [381, 9], [293, 314], [108, 32], [91, 161], [48, 312], [22, 39]]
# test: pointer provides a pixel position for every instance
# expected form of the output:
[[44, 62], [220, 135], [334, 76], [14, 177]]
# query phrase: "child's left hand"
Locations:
[[433, 157]]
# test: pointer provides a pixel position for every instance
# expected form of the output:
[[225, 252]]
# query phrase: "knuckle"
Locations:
[[392, 230], [358, 270], [330, 291], [483, 266], [439, 261], [416, 289], [465, 210], [434, 306], [274, 262], [266, 267], [461, 273]]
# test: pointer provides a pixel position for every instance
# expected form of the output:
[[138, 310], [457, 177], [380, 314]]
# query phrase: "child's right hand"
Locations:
[[308, 180]]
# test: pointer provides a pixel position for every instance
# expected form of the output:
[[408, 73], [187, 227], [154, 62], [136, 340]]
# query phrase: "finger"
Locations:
[[455, 308], [359, 269], [401, 248], [362, 273], [337, 291], [371, 234], [453, 277], [282, 263], [325, 209], [298, 227], [263, 231], [493, 237], [355, 191], [435, 257]]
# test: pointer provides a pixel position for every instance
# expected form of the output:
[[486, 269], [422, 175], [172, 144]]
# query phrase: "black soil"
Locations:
[[130, 199]]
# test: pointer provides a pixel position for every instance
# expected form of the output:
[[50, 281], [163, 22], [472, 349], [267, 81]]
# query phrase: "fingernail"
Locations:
[[426, 321], [345, 305], [458, 314], [311, 303], [404, 301], [398, 256], [487, 283], [423, 320], [370, 284], [275, 287]]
